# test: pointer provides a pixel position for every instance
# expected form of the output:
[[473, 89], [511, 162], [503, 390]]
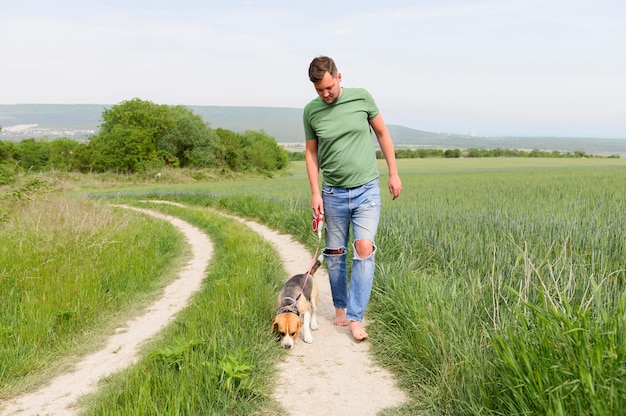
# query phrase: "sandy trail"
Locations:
[[331, 376], [121, 349], [334, 375]]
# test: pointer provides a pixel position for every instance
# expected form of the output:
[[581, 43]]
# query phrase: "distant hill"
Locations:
[[22, 121], [77, 116], [284, 124]]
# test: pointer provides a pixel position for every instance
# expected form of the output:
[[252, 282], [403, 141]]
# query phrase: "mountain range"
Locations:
[[20, 121]]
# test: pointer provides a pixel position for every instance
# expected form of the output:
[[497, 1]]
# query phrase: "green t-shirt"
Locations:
[[345, 146]]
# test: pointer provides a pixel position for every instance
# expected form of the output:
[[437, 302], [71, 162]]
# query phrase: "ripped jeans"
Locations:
[[360, 208]]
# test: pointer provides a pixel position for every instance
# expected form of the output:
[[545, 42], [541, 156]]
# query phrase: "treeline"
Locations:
[[138, 135], [457, 153], [423, 153]]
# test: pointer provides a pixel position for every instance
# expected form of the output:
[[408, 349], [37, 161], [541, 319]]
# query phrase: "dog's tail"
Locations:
[[317, 264]]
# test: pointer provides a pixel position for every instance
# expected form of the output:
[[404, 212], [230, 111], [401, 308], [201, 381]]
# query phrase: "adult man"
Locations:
[[339, 143]]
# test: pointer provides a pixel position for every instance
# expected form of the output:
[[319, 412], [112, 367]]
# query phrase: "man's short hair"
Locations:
[[320, 66]]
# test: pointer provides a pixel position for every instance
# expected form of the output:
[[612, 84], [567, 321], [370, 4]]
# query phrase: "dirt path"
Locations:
[[121, 349], [334, 375]]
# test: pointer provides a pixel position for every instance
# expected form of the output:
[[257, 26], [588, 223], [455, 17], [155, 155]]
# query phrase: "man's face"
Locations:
[[328, 88]]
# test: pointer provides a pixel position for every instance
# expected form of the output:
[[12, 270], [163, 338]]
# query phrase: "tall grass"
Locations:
[[497, 284], [218, 356], [504, 294], [500, 290], [68, 266]]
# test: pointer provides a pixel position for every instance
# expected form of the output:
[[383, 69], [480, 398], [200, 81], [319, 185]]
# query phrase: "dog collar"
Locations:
[[289, 308]]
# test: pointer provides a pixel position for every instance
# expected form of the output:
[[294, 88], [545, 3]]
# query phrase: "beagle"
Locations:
[[297, 304]]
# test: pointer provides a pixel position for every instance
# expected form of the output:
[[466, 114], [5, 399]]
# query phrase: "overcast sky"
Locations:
[[491, 67]]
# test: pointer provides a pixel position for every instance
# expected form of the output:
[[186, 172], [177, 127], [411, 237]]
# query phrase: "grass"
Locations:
[[218, 356], [500, 289], [513, 288], [65, 269]]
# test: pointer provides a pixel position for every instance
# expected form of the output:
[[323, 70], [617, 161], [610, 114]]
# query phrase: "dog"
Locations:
[[297, 305]]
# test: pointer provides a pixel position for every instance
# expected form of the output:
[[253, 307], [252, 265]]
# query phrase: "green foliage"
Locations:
[[502, 293], [33, 155], [137, 113], [37, 155], [560, 358], [500, 284], [34, 188], [123, 149], [176, 356], [7, 162], [261, 152], [231, 151], [16, 197], [6, 174], [422, 153], [299, 156], [251, 151], [499, 290], [415, 153], [452, 153], [128, 137], [7, 151], [62, 152], [235, 377], [68, 267], [217, 357], [139, 134], [190, 140]]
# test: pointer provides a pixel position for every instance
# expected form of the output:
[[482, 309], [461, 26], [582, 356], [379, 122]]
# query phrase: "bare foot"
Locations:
[[358, 332], [340, 317]]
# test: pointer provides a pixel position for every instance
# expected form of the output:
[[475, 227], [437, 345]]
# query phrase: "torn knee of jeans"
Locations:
[[335, 251], [358, 256]]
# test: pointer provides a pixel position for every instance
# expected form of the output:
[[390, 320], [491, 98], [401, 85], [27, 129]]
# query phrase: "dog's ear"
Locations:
[[274, 325]]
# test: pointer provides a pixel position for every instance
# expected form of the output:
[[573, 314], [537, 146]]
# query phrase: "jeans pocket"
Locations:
[[327, 189]]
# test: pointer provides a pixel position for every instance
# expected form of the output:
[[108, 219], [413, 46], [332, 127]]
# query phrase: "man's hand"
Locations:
[[316, 204], [395, 186]]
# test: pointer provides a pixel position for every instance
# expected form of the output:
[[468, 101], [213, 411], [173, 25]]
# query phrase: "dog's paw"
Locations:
[[314, 326], [308, 338]]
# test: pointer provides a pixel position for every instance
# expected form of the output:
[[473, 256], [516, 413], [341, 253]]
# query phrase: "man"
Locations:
[[339, 143]]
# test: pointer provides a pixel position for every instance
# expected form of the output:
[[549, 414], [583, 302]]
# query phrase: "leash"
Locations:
[[317, 225]]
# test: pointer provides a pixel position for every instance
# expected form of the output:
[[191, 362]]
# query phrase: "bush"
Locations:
[[137, 135]]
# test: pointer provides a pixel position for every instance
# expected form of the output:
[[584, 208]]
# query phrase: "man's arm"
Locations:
[[312, 170], [386, 145]]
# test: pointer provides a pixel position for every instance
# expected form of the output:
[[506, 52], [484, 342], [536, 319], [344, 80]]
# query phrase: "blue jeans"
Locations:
[[360, 208]]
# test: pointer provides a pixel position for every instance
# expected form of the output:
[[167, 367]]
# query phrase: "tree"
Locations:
[[126, 149], [33, 154], [7, 150], [128, 137], [190, 140], [137, 134], [452, 153], [261, 151], [7, 162], [62, 151], [231, 152]]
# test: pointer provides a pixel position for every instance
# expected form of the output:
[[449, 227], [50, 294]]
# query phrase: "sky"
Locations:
[[485, 67]]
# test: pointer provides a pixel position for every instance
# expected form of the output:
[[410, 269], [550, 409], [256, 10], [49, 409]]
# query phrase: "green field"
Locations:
[[500, 288]]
